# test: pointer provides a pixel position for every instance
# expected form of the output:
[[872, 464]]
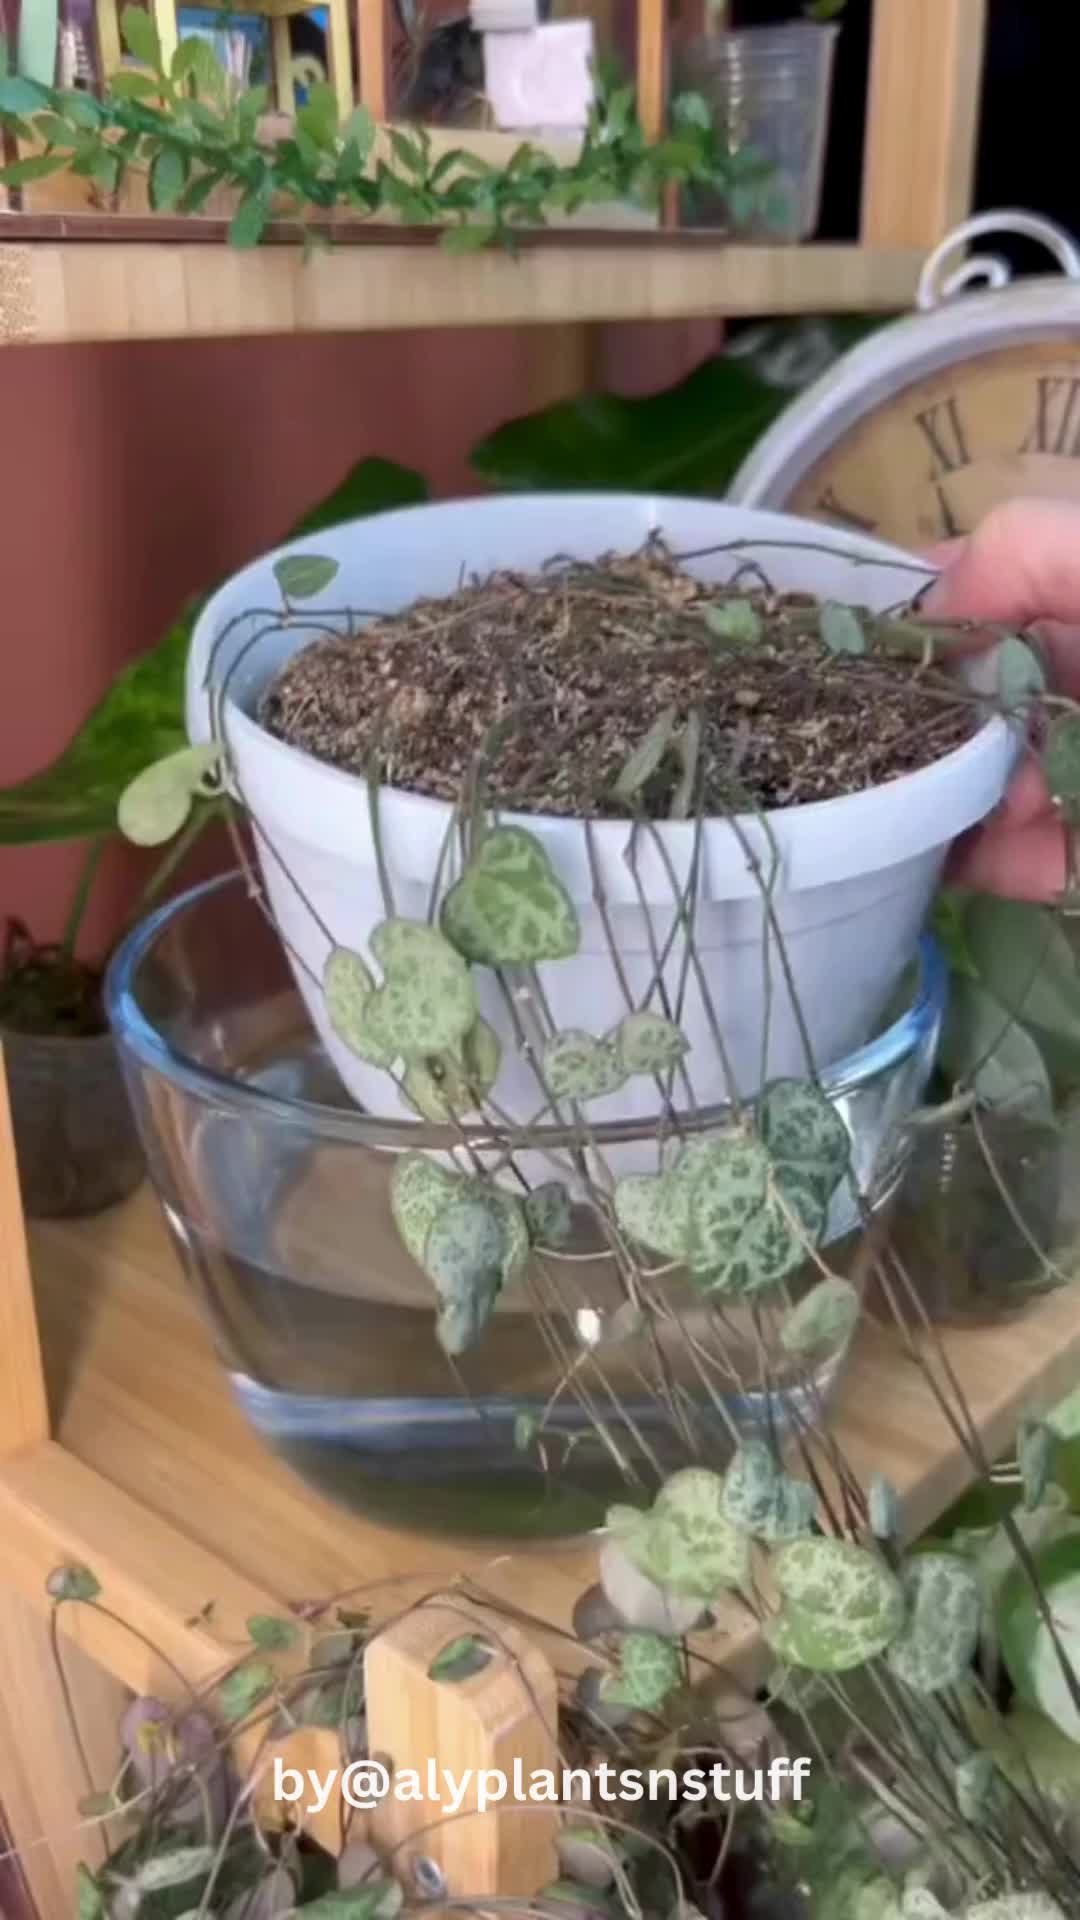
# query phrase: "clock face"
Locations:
[[930, 461]]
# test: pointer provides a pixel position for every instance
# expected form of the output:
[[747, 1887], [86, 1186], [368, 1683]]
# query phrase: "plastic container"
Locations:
[[76, 1141], [276, 1192], [854, 876], [770, 89]]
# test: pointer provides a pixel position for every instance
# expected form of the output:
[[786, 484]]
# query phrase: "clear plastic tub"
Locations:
[[770, 89]]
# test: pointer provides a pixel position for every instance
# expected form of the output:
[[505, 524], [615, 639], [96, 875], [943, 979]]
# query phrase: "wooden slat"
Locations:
[[652, 65], [476, 1728], [41, 1774], [922, 119], [373, 36], [24, 1414], [60, 293]]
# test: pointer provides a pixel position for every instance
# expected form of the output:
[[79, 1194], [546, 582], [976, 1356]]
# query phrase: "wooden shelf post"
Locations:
[[922, 122], [486, 1727]]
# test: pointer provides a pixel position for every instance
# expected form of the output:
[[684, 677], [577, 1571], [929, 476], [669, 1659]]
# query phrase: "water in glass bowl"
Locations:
[[277, 1194]]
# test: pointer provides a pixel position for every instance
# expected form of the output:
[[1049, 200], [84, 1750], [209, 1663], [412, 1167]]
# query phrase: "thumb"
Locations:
[[1022, 564]]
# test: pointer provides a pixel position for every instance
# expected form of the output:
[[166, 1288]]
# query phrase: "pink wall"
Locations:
[[133, 476]]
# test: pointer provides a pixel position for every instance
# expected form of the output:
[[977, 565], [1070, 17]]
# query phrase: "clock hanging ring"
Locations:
[[975, 399]]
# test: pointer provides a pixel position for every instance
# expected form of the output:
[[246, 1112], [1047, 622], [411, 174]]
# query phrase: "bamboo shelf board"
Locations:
[[66, 278], [153, 1478]]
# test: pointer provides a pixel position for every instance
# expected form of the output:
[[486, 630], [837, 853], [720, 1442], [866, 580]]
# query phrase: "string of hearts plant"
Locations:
[[736, 1291], [184, 126]]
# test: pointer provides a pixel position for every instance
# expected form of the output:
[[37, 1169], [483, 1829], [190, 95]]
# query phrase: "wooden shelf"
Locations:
[[143, 1425], [70, 278]]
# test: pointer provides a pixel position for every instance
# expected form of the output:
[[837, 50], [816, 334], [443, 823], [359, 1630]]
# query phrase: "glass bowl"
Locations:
[[275, 1187]]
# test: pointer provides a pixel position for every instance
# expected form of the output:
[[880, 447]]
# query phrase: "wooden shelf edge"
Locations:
[[56, 1511], [67, 288]]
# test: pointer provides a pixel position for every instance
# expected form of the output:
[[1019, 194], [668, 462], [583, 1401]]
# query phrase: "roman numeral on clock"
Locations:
[[1057, 418], [827, 502], [943, 430]]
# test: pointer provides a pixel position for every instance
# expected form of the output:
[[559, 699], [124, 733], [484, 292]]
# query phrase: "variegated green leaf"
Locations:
[[937, 1643], [426, 1004], [801, 1128], [649, 1672], [577, 1066], [419, 1189], [824, 1319], [464, 1255], [751, 1484], [752, 1219], [509, 908], [647, 1043], [654, 1211], [1017, 1906], [348, 985], [1035, 1454], [792, 1514], [840, 1605], [549, 1215]]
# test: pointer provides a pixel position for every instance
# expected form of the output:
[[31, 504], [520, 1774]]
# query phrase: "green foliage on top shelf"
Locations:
[[186, 127]]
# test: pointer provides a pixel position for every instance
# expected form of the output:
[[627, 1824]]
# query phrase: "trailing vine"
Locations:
[[184, 125]]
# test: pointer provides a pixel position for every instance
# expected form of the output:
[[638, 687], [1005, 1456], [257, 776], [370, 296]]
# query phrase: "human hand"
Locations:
[[1020, 568]]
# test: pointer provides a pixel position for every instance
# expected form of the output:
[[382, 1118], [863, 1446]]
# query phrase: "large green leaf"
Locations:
[[141, 717], [689, 439]]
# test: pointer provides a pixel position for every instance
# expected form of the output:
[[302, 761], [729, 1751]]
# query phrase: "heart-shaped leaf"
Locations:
[[646, 758], [750, 1485], [549, 1215], [736, 624], [272, 1634], [654, 1211], [1020, 675], [840, 1605], [419, 1189], [937, 1643], [1023, 957], [686, 1545], [841, 629], [649, 1672], [752, 1220], [157, 803], [647, 1043], [427, 1003], [243, 1688], [348, 985], [452, 1086], [509, 909], [72, 1583], [801, 1128], [477, 1243], [984, 1047], [301, 576], [824, 1319], [577, 1066]]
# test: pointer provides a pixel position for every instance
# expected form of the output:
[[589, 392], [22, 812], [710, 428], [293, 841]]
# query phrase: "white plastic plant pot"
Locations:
[[852, 878]]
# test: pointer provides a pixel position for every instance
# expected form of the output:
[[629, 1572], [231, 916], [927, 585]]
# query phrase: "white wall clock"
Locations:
[[927, 424]]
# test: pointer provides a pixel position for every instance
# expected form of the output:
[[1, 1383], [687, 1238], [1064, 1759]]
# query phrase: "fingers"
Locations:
[[1020, 565], [1020, 863]]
